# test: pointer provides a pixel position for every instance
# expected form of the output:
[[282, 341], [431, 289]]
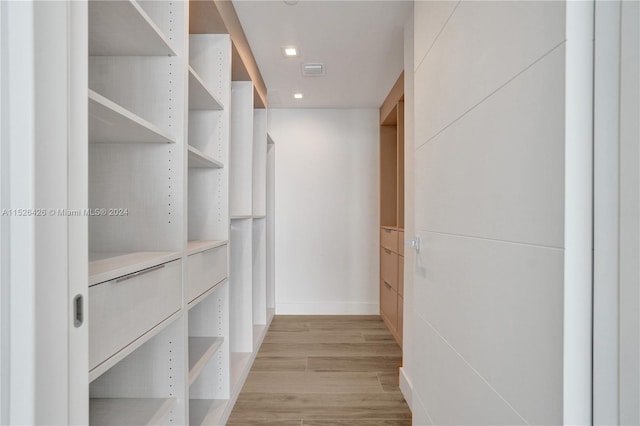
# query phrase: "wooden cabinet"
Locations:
[[391, 281], [392, 209]]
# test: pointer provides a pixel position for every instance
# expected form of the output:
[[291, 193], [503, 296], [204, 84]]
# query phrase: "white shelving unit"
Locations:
[[136, 104], [259, 187], [178, 298], [241, 292], [259, 206], [271, 227], [241, 196]]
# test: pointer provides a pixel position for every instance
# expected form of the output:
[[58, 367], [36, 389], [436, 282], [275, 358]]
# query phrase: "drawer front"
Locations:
[[123, 309], [389, 239], [401, 275], [400, 314], [389, 303], [401, 243], [389, 267], [204, 270]]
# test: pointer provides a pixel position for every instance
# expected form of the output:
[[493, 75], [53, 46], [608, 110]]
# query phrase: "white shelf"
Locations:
[[111, 123], [200, 97], [239, 367], [240, 217], [259, 216], [196, 246], [129, 411], [198, 158], [107, 266], [207, 411], [201, 349], [123, 28], [270, 140]]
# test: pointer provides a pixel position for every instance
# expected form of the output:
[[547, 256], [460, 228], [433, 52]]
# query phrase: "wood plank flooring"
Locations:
[[324, 371]]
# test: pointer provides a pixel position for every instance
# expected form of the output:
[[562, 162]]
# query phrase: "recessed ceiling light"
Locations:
[[298, 95], [289, 51]]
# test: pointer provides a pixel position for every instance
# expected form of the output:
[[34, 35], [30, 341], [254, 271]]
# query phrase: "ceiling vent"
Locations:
[[313, 70]]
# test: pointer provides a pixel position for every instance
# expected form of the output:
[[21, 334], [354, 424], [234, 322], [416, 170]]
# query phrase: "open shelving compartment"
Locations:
[[209, 363], [146, 386], [135, 136], [208, 161]]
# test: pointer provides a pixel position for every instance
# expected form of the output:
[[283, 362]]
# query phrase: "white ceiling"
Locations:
[[360, 43]]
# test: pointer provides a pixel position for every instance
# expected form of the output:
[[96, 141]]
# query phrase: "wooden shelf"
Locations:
[[107, 266], [200, 97], [198, 159], [201, 349], [206, 411], [123, 28], [111, 123], [197, 246], [129, 411]]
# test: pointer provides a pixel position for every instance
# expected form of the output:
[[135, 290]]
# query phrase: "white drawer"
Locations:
[[389, 268], [389, 239], [123, 309], [204, 270]]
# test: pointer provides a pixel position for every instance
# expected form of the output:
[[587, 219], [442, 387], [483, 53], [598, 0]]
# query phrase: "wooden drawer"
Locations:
[[389, 239], [401, 243], [389, 267], [123, 309], [400, 314], [401, 275], [389, 303], [204, 270]]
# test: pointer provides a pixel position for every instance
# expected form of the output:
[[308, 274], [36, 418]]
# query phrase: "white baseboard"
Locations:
[[327, 308], [406, 388]]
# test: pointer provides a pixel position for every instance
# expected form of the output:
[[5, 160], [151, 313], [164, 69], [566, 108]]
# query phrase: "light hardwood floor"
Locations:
[[324, 371]]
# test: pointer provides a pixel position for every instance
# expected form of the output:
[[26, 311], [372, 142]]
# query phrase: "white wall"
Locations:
[[616, 359], [326, 210], [408, 352], [490, 133]]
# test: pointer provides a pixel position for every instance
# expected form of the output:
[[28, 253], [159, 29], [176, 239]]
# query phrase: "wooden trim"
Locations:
[[400, 159], [220, 17], [204, 18], [239, 39], [395, 95]]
